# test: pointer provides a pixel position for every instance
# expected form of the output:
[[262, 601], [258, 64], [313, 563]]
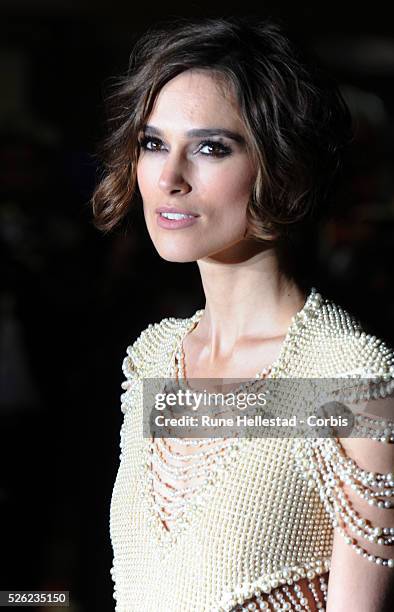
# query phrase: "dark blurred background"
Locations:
[[71, 300]]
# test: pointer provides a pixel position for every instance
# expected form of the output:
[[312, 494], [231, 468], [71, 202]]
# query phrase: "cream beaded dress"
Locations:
[[257, 519]]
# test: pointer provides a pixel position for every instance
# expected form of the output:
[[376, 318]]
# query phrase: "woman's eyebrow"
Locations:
[[201, 133]]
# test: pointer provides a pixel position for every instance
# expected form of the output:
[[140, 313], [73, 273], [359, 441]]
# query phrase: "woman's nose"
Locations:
[[172, 178]]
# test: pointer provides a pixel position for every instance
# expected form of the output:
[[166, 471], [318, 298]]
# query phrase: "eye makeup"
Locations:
[[215, 148], [198, 133]]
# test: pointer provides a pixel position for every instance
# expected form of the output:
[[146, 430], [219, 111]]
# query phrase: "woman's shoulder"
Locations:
[[331, 341]]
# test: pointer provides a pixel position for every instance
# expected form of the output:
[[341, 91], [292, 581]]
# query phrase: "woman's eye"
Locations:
[[209, 148], [151, 144], [214, 149]]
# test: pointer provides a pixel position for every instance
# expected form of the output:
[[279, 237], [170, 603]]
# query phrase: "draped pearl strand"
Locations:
[[325, 462], [170, 468], [291, 598]]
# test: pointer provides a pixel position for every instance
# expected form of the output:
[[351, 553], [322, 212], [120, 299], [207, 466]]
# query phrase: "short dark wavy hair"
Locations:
[[295, 117]]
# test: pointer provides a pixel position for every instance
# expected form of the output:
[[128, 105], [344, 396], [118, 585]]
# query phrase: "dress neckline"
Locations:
[[298, 321]]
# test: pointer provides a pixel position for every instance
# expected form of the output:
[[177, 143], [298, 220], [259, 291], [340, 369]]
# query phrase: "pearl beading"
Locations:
[[324, 462], [293, 598], [380, 430], [173, 503], [258, 524]]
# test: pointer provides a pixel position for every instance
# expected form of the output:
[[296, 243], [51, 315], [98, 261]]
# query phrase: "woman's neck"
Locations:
[[246, 297]]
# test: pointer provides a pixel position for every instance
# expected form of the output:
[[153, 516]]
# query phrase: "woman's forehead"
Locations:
[[196, 99]]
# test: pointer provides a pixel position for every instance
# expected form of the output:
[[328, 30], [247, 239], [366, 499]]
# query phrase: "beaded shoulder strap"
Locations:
[[150, 354]]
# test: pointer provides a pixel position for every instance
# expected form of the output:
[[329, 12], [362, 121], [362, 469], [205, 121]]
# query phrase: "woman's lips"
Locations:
[[175, 223]]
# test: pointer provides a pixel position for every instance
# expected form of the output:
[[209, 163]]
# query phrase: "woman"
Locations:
[[232, 144]]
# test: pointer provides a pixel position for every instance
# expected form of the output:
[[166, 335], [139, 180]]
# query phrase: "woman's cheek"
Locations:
[[230, 186], [148, 175]]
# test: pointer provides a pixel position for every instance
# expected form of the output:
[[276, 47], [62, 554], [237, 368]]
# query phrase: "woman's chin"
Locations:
[[178, 255], [189, 253]]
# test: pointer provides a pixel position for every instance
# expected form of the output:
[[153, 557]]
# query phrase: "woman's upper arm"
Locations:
[[356, 584], [361, 575]]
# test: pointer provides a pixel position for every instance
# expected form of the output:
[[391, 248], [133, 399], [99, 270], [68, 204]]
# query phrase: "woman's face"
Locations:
[[194, 159]]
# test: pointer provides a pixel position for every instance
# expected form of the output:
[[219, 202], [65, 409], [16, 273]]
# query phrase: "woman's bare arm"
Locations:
[[356, 582]]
